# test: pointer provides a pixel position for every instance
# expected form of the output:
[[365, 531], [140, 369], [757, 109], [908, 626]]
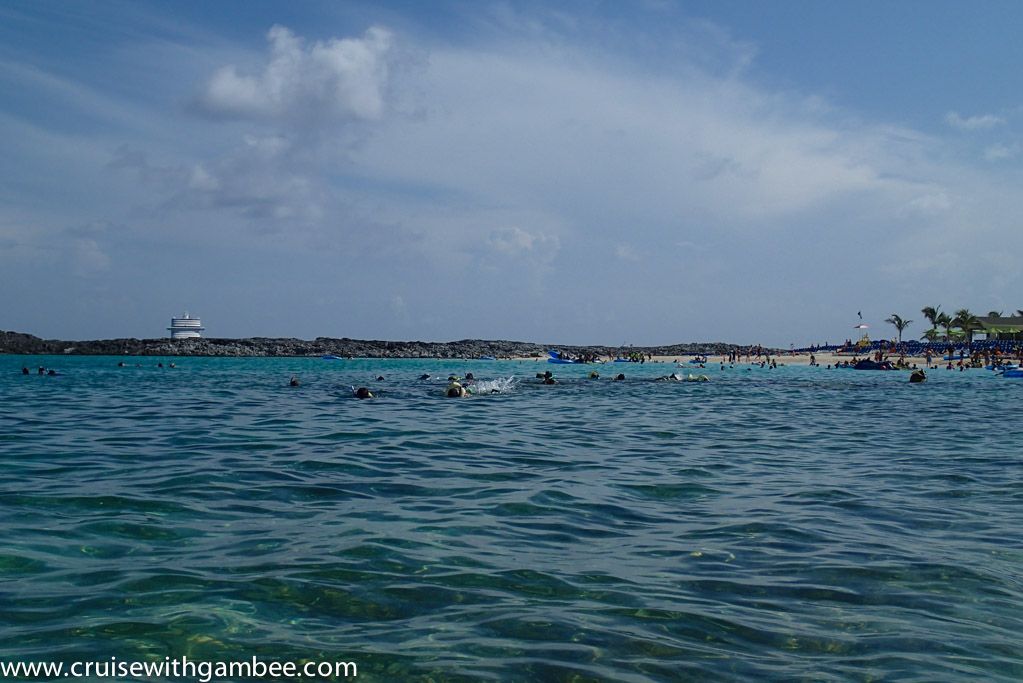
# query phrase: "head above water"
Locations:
[[363, 392]]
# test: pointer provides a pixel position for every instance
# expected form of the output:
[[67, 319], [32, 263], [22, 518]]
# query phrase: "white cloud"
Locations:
[[978, 122], [1001, 151], [338, 79], [515, 241], [624, 252]]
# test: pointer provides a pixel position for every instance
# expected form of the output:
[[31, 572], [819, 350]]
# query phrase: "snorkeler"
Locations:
[[456, 390]]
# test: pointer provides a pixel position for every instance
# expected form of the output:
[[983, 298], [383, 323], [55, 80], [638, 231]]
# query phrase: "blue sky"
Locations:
[[589, 172]]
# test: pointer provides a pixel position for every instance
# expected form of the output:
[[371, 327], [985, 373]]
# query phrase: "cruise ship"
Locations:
[[186, 327]]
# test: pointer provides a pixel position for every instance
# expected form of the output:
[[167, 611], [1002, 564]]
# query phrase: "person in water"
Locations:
[[917, 376], [24, 370], [294, 381], [363, 392], [455, 390], [620, 377], [594, 374], [548, 378]]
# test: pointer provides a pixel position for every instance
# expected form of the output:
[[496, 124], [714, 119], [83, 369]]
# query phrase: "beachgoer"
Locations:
[[548, 378], [424, 377], [456, 390], [51, 373], [380, 378], [593, 374], [363, 392], [24, 370], [620, 377], [917, 376], [294, 381], [41, 371]]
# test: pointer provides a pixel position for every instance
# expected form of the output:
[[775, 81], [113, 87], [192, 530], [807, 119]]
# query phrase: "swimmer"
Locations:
[[423, 377], [620, 377], [294, 381], [41, 371], [173, 366], [51, 373], [917, 376], [24, 370], [380, 378], [594, 374], [363, 392], [159, 365], [121, 364], [469, 377], [548, 378], [455, 390]]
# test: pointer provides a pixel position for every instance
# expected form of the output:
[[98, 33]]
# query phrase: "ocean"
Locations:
[[789, 524]]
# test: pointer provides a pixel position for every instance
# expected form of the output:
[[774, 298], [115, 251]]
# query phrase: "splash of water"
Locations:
[[501, 385]]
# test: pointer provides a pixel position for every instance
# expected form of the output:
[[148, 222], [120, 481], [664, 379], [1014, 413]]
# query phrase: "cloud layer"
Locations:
[[540, 177], [342, 78]]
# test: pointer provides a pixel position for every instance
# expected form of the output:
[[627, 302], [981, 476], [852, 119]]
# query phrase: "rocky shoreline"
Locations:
[[24, 344]]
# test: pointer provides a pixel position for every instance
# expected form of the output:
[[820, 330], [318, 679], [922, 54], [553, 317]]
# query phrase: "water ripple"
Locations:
[[784, 525]]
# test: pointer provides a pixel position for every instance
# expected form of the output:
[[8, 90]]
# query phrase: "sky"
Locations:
[[645, 173]]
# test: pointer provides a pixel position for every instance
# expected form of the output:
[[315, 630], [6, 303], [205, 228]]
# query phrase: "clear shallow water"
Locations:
[[790, 524]]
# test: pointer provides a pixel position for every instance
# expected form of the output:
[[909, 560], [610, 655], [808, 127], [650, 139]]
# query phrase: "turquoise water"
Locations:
[[798, 523]]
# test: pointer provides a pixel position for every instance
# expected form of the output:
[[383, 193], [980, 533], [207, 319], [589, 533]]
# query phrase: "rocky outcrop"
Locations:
[[20, 343]]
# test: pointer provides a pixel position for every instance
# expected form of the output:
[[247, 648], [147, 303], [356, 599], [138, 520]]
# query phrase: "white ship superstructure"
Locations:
[[186, 327]]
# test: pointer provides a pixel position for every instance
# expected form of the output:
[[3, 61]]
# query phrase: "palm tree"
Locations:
[[931, 335], [899, 324], [968, 323], [932, 313], [944, 321], [994, 314]]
